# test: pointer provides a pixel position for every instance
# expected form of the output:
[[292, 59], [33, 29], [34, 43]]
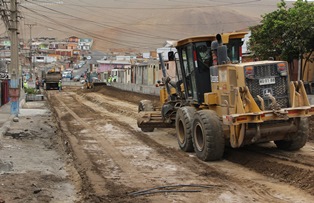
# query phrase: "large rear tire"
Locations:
[[146, 105], [184, 127], [298, 139], [208, 138]]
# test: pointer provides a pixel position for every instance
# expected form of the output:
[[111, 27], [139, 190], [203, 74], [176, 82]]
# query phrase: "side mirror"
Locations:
[[171, 56]]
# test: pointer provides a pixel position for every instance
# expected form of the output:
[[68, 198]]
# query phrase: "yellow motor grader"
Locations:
[[216, 101]]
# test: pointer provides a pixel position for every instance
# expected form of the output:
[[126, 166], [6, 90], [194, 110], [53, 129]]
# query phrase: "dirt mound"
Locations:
[[123, 95]]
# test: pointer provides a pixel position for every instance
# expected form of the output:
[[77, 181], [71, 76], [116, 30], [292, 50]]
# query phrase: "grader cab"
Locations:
[[216, 101]]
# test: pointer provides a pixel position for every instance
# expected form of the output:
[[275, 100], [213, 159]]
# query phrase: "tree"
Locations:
[[286, 33]]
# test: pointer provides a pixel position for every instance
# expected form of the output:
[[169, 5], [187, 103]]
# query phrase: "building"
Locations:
[[85, 44]]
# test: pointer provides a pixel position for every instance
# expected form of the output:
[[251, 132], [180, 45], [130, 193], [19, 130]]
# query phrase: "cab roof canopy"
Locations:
[[225, 38]]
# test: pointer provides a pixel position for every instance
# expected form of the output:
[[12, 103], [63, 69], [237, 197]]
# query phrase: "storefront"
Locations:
[[4, 89]]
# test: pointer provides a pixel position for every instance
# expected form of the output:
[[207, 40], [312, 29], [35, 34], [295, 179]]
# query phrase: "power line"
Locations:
[[30, 25], [100, 37], [102, 25], [131, 34], [169, 7], [4, 14]]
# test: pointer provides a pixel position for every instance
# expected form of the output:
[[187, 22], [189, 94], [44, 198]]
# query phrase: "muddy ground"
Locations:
[[89, 149]]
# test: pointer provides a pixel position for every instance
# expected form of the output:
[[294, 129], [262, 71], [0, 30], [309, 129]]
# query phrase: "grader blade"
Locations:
[[152, 119]]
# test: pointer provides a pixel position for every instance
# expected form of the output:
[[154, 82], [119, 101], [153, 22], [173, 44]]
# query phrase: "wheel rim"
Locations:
[[181, 132], [199, 137]]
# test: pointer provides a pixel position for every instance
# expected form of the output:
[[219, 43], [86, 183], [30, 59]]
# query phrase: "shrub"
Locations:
[[30, 90]]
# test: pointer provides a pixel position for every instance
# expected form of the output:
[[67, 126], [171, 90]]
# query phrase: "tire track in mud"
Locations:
[[96, 185], [71, 142], [203, 170], [137, 176], [304, 156], [178, 155], [288, 167]]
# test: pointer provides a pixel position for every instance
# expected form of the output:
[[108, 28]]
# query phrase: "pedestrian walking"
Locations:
[[60, 85], [109, 79], [25, 84], [37, 83]]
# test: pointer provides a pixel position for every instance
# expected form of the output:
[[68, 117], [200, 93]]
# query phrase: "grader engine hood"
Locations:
[[268, 79], [253, 94], [257, 91], [266, 82]]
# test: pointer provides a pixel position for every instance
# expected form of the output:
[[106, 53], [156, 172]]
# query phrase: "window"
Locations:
[[203, 54], [192, 76]]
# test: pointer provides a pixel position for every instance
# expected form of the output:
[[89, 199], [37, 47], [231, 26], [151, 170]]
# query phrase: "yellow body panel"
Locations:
[[211, 98]]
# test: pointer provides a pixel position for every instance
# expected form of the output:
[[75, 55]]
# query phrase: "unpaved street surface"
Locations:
[[85, 146], [116, 162]]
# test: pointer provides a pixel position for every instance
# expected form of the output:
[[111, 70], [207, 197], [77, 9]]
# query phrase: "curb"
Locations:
[[5, 126]]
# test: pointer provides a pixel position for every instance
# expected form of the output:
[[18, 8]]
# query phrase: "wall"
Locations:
[[145, 89]]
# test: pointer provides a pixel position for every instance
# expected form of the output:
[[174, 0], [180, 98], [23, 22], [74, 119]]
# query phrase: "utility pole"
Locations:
[[30, 25], [14, 90]]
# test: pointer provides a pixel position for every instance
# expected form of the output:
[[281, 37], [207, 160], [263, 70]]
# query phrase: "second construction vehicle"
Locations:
[[215, 101], [51, 79]]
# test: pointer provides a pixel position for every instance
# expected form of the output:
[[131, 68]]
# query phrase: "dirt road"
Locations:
[[117, 162]]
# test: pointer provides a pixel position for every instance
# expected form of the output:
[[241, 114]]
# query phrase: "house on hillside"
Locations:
[[35, 45], [64, 52], [5, 55], [5, 46], [75, 50], [44, 59], [5, 43], [85, 44], [73, 39], [62, 45], [72, 46]]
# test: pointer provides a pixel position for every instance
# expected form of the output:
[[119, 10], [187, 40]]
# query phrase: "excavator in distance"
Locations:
[[216, 101]]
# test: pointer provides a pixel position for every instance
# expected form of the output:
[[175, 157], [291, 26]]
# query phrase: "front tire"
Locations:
[[146, 105], [184, 127], [208, 138], [296, 140]]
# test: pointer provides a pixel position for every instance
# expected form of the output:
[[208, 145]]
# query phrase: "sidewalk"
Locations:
[[5, 114], [5, 118], [34, 165]]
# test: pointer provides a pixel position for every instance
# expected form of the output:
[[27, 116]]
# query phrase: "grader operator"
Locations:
[[216, 102]]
